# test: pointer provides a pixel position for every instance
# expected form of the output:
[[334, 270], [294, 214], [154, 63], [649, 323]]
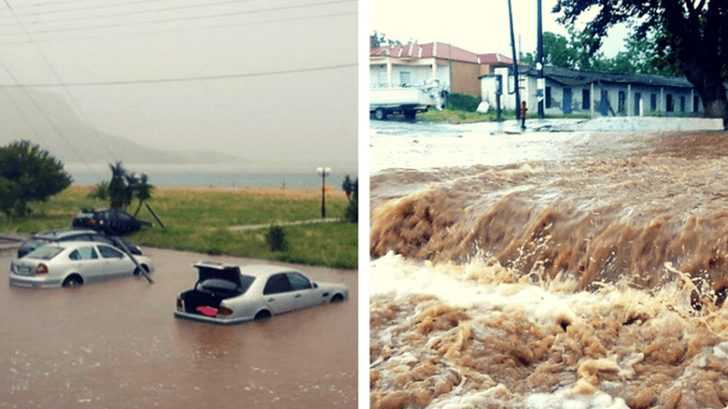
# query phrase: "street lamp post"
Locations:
[[323, 172]]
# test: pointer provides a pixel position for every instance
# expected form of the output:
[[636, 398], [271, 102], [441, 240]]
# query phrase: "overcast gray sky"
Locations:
[[479, 26], [307, 117]]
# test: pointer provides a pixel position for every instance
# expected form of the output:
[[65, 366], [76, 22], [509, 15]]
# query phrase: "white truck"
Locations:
[[407, 101]]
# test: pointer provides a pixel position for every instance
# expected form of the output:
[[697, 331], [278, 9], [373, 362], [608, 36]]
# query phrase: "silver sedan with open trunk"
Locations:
[[73, 263], [224, 294]]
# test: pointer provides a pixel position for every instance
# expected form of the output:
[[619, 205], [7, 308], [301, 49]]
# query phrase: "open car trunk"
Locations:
[[202, 298], [215, 283]]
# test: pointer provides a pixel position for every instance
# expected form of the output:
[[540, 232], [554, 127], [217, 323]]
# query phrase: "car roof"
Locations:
[[257, 270], [58, 234], [74, 244], [265, 270]]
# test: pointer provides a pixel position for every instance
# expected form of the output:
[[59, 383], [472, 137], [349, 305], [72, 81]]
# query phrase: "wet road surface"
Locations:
[[117, 345]]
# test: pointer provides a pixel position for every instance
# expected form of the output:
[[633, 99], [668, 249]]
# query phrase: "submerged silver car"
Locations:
[[73, 263], [225, 295]]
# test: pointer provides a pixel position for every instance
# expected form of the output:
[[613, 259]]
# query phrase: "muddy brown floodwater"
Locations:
[[117, 345], [594, 280], [598, 218]]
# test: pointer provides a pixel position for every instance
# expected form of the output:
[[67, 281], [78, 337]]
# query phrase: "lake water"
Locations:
[[208, 175]]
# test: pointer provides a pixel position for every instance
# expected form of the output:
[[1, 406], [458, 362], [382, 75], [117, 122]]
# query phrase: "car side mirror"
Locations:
[[315, 285]]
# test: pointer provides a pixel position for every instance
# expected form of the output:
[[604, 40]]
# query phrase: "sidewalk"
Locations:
[[248, 227], [9, 241]]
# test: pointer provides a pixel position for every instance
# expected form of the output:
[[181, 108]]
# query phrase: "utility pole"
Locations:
[[515, 63], [541, 82]]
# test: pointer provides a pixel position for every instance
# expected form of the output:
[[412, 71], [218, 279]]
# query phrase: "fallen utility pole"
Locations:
[[516, 85], [120, 243]]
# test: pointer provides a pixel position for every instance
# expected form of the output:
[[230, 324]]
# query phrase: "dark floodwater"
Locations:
[[117, 345]]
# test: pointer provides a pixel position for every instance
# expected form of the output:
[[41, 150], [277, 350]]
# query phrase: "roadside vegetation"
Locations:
[[198, 219]]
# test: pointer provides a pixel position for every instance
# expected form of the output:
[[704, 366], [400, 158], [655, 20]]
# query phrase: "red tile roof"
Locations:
[[439, 50]]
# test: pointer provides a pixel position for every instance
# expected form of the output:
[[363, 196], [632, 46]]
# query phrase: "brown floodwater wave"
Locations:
[[598, 219], [618, 352]]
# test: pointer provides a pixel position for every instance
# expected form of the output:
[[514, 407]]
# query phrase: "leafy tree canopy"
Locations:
[[691, 35], [28, 174]]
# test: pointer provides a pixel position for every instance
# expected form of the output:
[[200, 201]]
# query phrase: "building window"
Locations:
[[585, 99], [696, 103], [404, 78], [637, 103], [653, 102], [548, 97], [682, 103], [670, 106], [622, 102]]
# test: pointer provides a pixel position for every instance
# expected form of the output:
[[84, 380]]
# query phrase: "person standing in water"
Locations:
[[524, 111]]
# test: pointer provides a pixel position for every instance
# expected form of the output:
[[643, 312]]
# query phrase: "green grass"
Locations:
[[197, 220], [457, 117]]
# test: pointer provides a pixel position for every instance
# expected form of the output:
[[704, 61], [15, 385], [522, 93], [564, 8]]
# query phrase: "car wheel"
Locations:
[[337, 298], [380, 114], [262, 315], [73, 280]]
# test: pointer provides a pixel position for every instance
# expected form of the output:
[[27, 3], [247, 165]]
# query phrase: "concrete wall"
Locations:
[[465, 78]]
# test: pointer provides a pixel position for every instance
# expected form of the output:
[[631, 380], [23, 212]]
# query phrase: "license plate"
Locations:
[[23, 270]]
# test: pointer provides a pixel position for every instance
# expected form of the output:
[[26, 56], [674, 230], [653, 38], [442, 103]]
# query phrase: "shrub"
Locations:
[[28, 174], [463, 102], [276, 238]]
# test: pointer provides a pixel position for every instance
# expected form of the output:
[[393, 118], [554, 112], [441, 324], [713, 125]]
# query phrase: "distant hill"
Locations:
[[20, 119]]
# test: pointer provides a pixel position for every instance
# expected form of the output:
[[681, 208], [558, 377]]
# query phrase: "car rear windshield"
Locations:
[[226, 285], [45, 252]]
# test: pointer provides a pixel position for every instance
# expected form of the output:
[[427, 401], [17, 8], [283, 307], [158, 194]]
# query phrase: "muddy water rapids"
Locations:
[[548, 270]]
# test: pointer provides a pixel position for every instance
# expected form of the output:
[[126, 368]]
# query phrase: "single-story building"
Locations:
[[456, 69], [595, 94]]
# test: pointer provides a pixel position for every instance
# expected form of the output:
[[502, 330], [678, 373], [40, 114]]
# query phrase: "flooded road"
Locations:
[[117, 345], [549, 270]]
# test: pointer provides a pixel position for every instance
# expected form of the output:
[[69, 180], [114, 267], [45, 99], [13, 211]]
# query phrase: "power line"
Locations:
[[183, 29], [58, 78], [189, 18], [179, 79], [84, 8], [129, 13], [45, 116]]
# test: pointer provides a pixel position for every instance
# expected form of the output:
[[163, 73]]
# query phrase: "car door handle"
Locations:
[[298, 295], [271, 299]]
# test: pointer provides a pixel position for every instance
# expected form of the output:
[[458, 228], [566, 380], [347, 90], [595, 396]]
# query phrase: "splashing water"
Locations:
[[480, 335]]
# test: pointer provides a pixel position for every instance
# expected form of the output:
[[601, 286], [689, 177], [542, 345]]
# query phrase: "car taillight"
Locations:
[[224, 311], [41, 269], [180, 304]]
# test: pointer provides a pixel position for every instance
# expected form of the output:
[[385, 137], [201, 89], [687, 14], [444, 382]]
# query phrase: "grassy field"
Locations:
[[457, 117], [197, 219]]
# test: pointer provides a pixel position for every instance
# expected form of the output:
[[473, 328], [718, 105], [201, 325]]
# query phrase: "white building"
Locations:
[[456, 69], [596, 94]]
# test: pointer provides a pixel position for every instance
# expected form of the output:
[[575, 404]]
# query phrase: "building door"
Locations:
[[566, 108], [604, 103], [637, 103]]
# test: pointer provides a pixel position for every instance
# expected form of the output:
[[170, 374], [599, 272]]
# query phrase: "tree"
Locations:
[[123, 188], [690, 34], [377, 40], [28, 174], [347, 187]]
